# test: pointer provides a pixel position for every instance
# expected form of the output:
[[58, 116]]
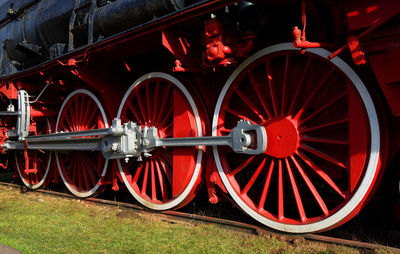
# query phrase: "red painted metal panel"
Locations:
[[183, 158]]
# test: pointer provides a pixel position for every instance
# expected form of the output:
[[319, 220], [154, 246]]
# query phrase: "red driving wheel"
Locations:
[[81, 171], [37, 173], [168, 177], [323, 139]]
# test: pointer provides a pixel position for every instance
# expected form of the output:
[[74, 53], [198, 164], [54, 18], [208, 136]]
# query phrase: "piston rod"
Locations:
[[131, 140]]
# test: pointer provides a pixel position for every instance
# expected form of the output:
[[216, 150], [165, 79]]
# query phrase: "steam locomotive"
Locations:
[[163, 96]]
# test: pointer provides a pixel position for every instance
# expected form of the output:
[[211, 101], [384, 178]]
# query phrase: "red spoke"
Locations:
[[80, 174], [125, 119], [296, 192], [169, 126], [225, 130], [250, 105], [313, 190], [95, 167], [130, 164], [63, 161], [156, 101], [256, 87], [69, 121], [93, 117], [137, 174], [164, 107], [166, 157], [153, 182], [89, 111], [324, 125], [271, 87], [167, 172], [163, 186], [321, 173], [323, 156], [299, 87], [149, 102], [325, 140], [146, 173], [85, 174], [82, 112], [91, 174], [312, 95], [71, 116], [168, 133], [167, 117], [281, 215], [254, 177], [141, 106], [74, 174], [135, 113], [242, 166], [97, 124], [75, 104], [100, 163], [284, 84], [321, 109], [234, 112]]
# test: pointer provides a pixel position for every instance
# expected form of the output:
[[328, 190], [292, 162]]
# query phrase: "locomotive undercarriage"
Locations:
[[288, 130]]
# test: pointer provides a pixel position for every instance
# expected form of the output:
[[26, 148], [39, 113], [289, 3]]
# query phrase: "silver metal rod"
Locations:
[[195, 141], [9, 113], [67, 135], [76, 144]]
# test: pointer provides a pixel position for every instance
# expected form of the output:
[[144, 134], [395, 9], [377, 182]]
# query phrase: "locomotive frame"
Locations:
[[298, 138]]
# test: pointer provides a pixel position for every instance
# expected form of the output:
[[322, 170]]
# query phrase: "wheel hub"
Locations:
[[283, 137]]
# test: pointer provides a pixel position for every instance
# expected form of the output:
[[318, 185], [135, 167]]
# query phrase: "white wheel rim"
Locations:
[[182, 197], [372, 163], [103, 114]]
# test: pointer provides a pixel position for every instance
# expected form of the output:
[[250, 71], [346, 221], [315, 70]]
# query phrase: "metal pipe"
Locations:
[[195, 141]]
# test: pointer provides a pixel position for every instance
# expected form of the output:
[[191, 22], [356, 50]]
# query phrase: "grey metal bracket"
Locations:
[[23, 114]]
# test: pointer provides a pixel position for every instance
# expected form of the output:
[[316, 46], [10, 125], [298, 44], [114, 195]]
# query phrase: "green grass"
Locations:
[[34, 223]]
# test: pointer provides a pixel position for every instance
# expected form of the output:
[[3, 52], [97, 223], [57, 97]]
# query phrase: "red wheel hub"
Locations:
[[283, 137]]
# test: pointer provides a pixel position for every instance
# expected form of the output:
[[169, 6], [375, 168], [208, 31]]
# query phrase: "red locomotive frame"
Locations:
[[200, 70]]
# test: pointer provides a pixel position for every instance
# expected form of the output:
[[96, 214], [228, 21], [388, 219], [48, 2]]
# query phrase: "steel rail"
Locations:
[[176, 216]]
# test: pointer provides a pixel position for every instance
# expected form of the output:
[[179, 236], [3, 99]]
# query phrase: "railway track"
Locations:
[[183, 217]]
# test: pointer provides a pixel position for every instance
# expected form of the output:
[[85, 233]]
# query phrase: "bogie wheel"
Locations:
[[323, 139], [169, 177], [37, 174], [81, 171]]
